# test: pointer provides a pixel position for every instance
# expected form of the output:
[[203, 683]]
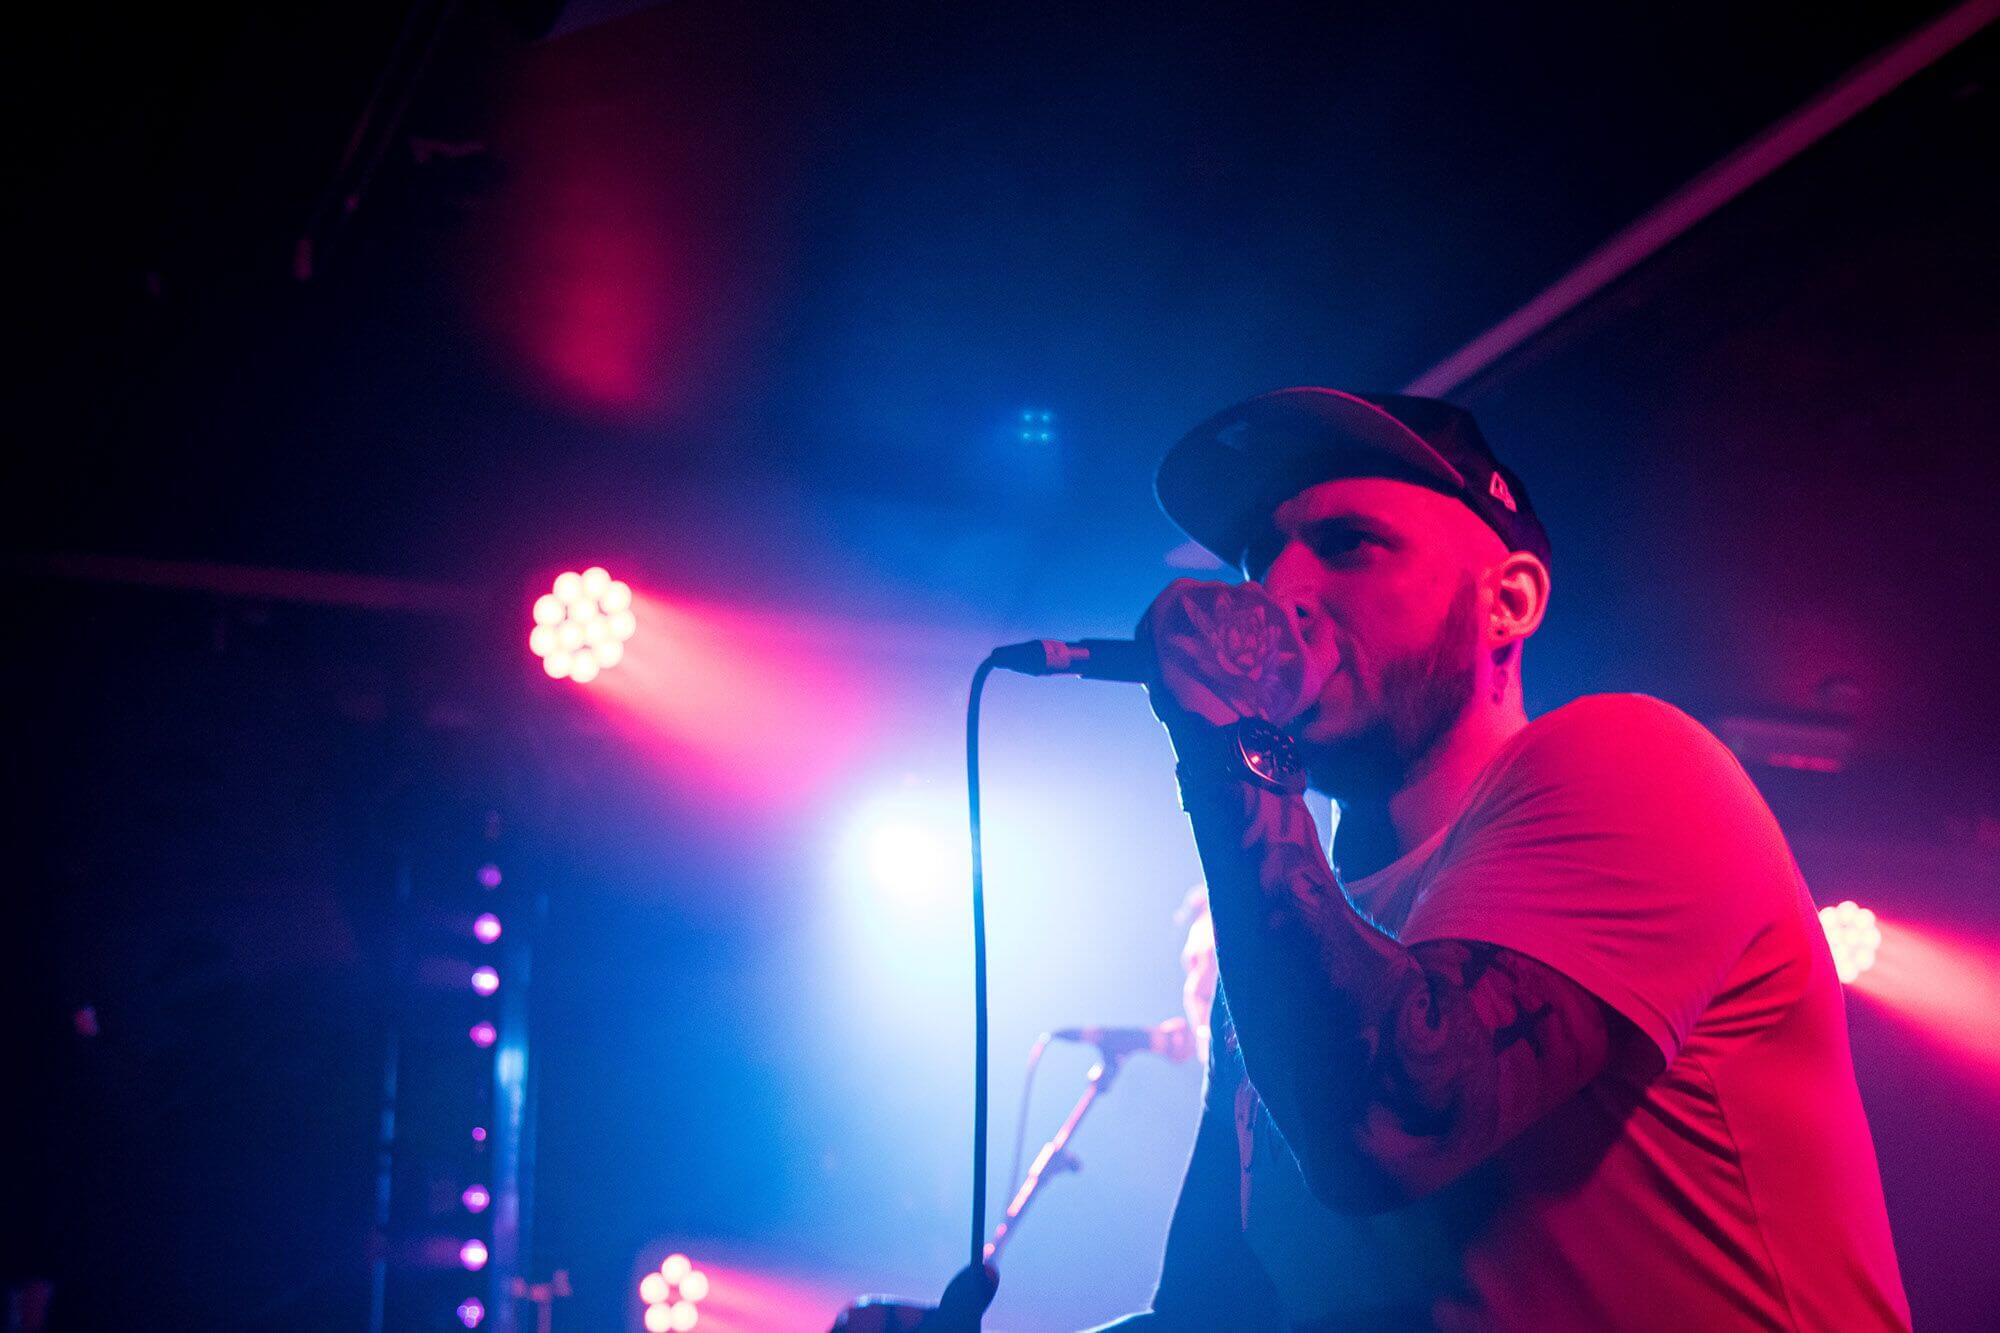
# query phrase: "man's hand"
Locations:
[[1223, 652]]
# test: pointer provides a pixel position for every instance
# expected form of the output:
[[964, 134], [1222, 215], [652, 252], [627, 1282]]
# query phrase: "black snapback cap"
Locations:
[[1222, 480]]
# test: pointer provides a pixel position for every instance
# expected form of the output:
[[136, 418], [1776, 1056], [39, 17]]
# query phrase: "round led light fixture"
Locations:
[[1854, 936], [581, 625]]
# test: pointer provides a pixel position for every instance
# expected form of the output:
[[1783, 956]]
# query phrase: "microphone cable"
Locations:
[[979, 1033]]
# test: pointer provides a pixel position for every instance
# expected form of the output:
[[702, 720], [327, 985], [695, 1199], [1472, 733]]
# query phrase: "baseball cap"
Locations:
[[1223, 479]]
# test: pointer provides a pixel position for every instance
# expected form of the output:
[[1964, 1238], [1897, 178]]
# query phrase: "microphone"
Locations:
[[1095, 659], [1171, 1040]]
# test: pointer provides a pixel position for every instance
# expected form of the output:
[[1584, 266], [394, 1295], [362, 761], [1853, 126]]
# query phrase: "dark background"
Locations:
[[745, 301]]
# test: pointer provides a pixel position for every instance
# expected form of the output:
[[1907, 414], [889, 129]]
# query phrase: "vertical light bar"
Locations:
[[512, 1137]]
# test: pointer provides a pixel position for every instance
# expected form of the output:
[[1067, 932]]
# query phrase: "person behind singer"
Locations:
[[1560, 1045]]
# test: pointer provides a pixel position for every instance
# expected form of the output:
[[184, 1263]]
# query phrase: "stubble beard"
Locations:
[[1423, 695]]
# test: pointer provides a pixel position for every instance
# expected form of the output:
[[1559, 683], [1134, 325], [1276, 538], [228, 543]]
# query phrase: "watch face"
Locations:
[[1270, 754], [1263, 763]]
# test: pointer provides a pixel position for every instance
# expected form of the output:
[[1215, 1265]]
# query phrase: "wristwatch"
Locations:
[[1250, 750]]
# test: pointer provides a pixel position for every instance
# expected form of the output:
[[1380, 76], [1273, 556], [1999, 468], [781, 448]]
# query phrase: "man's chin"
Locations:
[[1344, 754], [1325, 726]]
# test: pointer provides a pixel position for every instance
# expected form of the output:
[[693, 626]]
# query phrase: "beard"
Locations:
[[1423, 695]]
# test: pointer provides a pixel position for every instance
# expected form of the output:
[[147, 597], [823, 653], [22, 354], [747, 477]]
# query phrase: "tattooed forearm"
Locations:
[[1389, 1070]]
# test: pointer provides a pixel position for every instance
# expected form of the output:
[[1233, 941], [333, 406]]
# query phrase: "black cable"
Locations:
[[978, 967]]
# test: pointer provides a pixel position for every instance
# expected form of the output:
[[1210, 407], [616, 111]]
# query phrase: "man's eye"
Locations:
[[1337, 542]]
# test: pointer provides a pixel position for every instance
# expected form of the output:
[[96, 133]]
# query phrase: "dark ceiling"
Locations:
[[751, 301]]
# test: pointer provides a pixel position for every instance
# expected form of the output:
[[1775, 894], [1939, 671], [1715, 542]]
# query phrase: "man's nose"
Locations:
[[1286, 583]]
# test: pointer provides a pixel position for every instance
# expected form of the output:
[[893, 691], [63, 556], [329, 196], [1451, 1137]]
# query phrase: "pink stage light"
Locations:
[[489, 876], [486, 928], [473, 1254], [581, 626], [717, 693], [479, 1133], [1945, 983], [475, 1198], [1854, 936], [485, 980], [471, 1312], [483, 1034], [671, 1295], [748, 1298]]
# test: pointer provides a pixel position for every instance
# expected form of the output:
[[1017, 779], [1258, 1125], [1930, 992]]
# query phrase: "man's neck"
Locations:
[[1375, 831]]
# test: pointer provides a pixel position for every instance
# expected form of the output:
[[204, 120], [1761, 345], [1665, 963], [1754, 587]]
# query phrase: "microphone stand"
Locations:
[[1055, 1158], [970, 1291]]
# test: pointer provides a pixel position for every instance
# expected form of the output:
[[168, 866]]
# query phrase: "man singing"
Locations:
[[1560, 1045]]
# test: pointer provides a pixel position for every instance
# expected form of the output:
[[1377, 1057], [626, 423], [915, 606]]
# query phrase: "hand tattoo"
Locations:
[[1232, 642]]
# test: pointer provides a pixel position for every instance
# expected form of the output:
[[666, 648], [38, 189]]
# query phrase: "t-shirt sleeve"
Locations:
[[1622, 845]]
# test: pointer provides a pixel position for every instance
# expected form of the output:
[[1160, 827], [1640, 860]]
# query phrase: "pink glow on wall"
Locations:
[[631, 250]]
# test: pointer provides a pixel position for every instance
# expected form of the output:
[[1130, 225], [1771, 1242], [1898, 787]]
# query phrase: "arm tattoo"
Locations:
[[1390, 1070]]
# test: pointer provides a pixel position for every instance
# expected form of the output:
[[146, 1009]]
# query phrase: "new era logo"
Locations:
[[1497, 488]]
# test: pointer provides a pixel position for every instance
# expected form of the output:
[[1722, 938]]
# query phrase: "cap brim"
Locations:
[[1221, 481]]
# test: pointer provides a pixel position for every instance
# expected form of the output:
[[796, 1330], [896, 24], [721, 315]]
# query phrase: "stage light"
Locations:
[[489, 876], [1854, 936], [909, 856], [471, 1312], [581, 626], [486, 928], [485, 980], [671, 1294], [476, 1198], [473, 1255], [483, 1034], [479, 1133]]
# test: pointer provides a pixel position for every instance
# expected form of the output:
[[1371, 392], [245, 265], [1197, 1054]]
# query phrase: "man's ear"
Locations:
[[1520, 598]]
